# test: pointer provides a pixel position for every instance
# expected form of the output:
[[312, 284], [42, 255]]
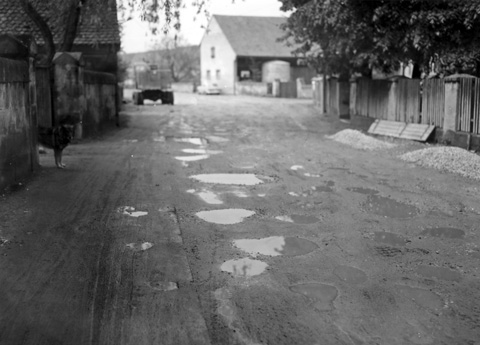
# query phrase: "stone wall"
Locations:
[[251, 88]]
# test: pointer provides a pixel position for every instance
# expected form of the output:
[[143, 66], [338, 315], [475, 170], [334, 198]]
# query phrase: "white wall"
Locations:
[[222, 66]]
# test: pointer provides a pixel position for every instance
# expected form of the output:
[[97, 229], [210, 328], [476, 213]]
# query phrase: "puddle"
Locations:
[[244, 267], [130, 211], [163, 286], [389, 238], [140, 247], [193, 141], [312, 175], [293, 194], [297, 167], [235, 179], [208, 196], [362, 190], [217, 139], [452, 233], [298, 219], [439, 273], [325, 188], [227, 216], [202, 151], [422, 297], [192, 158], [389, 208], [262, 195], [276, 245], [322, 295], [350, 274]]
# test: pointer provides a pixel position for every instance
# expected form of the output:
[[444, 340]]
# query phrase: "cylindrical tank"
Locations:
[[273, 70]]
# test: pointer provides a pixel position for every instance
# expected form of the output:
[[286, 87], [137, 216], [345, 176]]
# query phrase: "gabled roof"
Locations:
[[255, 36], [13, 20]]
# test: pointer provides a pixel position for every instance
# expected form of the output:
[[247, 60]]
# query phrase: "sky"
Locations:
[[136, 36]]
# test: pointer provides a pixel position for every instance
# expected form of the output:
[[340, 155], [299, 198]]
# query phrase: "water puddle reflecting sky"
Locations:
[[422, 297], [192, 158], [389, 208], [232, 179], [244, 267], [226, 216], [276, 245], [140, 246], [202, 151], [298, 219], [130, 211], [193, 141], [208, 196], [163, 286], [439, 273], [350, 274], [389, 238], [217, 139], [451, 233]]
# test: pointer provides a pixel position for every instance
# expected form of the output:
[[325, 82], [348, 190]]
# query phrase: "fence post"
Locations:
[[344, 98], [451, 102], [352, 104], [276, 88], [392, 100]]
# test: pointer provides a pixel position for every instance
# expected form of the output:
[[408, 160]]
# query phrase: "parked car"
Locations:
[[208, 90]]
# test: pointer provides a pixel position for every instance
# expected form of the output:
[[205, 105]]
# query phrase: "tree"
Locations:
[[67, 15], [176, 55], [351, 35]]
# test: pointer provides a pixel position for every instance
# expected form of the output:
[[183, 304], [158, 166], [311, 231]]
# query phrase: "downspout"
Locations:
[[235, 76]]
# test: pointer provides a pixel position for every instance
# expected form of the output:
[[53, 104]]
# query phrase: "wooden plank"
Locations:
[[418, 132], [411, 131], [389, 128]]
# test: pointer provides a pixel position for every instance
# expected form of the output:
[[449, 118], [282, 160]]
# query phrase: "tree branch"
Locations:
[[45, 31]]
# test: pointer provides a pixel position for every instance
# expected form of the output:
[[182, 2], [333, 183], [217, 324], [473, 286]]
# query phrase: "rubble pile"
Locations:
[[360, 141], [449, 159]]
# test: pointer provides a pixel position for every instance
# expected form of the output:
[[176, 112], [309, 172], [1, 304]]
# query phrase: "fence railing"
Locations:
[[451, 103]]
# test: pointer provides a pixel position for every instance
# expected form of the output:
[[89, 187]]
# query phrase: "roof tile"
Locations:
[[106, 31]]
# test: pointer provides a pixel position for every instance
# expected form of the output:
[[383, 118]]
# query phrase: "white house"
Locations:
[[243, 48]]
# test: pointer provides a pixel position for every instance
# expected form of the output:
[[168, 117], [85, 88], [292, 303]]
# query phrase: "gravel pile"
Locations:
[[359, 140], [450, 159]]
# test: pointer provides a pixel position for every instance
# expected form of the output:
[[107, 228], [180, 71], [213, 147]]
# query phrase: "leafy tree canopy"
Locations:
[[341, 36]]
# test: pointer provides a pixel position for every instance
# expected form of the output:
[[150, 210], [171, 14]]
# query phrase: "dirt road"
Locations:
[[312, 242]]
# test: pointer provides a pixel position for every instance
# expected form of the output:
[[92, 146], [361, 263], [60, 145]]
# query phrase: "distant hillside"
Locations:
[[184, 62]]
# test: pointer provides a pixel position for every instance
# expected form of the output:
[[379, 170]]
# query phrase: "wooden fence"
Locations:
[[468, 105], [407, 100], [433, 102]]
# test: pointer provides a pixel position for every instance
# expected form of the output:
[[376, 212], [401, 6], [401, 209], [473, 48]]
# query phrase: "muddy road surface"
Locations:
[[235, 220]]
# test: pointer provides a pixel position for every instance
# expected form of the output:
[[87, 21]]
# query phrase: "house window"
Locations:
[[212, 52], [208, 74], [217, 74]]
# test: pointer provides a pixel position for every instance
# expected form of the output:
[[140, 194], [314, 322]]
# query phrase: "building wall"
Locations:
[[17, 127], [219, 70], [86, 98]]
